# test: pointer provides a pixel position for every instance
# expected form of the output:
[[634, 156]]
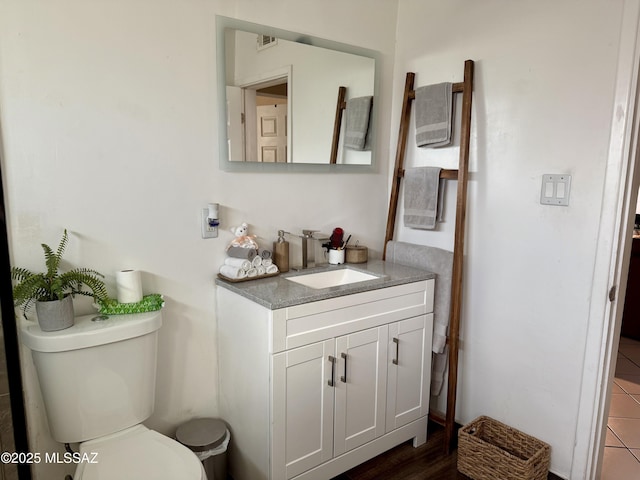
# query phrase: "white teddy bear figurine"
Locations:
[[243, 239], [241, 230]]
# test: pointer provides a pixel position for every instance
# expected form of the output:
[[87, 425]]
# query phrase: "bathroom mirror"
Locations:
[[278, 93]]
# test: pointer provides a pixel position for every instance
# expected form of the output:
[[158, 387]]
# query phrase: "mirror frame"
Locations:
[[223, 23]]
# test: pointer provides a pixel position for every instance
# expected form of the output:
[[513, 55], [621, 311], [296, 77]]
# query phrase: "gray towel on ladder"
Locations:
[[440, 262], [358, 113], [433, 114], [422, 197]]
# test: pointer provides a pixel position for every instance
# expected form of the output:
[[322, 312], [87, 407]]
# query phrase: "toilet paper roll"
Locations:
[[129, 286]]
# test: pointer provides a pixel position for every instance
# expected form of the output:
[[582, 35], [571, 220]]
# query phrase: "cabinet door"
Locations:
[[361, 378], [302, 410], [409, 370]]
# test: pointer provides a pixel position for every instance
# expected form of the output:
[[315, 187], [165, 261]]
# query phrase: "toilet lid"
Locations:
[[138, 453]]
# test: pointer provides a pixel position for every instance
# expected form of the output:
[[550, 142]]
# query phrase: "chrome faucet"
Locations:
[[308, 248]]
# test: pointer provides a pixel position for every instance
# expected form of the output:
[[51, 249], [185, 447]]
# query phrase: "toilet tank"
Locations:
[[98, 376]]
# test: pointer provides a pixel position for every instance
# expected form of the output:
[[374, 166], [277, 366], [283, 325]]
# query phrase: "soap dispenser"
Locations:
[[281, 252]]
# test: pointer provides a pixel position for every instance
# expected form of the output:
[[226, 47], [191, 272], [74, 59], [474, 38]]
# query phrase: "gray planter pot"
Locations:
[[56, 314]]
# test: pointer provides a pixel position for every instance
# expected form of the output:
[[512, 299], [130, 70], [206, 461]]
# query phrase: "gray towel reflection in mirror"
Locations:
[[358, 113]]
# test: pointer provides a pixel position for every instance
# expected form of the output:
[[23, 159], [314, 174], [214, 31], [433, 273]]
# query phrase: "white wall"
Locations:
[[108, 117], [545, 77]]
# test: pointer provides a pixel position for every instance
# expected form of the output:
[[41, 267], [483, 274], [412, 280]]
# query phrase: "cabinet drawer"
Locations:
[[312, 322]]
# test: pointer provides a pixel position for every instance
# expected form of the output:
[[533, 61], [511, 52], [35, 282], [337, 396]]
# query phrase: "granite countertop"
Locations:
[[278, 292]]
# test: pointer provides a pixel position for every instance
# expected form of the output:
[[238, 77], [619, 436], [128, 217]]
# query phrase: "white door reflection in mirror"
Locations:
[[235, 124], [272, 134], [255, 139]]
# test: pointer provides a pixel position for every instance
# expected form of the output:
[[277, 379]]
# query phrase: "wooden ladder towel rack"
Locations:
[[461, 175]]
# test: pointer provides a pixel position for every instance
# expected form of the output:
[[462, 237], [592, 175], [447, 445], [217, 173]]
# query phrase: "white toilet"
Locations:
[[98, 384]]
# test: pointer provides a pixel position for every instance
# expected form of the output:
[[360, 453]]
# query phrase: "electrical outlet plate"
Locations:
[[555, 189], [207, 230]]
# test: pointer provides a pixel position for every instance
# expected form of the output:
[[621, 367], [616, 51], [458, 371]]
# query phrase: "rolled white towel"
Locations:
[[252, 272], [267, 261], [257, 261], [261, 269], [271, 269], [238, 263], [230, 271]]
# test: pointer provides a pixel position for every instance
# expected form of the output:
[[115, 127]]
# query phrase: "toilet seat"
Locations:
[[137, 453]]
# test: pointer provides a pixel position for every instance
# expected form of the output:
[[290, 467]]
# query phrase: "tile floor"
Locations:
[[622, 447]]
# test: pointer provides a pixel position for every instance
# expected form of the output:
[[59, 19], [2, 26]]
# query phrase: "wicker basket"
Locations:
[[490, 450]]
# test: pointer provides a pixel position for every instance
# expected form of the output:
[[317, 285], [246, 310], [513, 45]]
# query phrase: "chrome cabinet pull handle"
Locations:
[[332, 359], [397, 342], [343, 378]]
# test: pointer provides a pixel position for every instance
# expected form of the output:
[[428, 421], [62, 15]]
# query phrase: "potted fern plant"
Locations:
[[52, 292]]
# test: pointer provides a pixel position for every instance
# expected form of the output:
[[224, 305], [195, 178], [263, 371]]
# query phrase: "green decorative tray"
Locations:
[[149, 303]]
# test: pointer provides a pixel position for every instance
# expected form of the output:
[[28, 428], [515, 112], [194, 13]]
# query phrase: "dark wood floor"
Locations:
[[407, 463]]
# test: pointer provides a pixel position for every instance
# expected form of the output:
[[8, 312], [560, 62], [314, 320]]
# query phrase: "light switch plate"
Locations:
[[555, 189]]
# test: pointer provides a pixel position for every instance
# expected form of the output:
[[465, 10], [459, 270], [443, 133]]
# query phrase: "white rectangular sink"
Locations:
[[332, 278]]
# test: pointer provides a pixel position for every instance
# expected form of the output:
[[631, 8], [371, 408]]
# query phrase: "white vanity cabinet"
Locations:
[[310, 391], [328, 397]]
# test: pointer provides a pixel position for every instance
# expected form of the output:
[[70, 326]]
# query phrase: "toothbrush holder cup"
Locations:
[[336, 256]]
